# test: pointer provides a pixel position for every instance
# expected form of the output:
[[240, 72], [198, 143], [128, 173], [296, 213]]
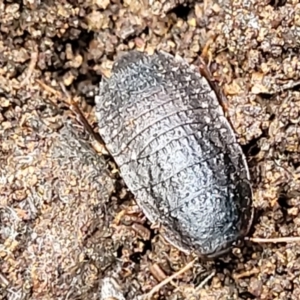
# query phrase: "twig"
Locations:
[[204, 282], [4, 280], [169, 279], [159, 274], [48, 88], [289, 85], [249, 273], [275, 240], [73, 106], [31, 67]]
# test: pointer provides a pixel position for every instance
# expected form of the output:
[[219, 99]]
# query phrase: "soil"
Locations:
[[69, 229]]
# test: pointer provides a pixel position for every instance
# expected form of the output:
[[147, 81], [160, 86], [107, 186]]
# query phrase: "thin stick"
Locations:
[[159, 274], [48, 88], [204, 282], [75, 108], [4, 280], [169, 279], [249, 273], [31, 66], [275, 240], [288, 85], [205, 54], [205, 72]]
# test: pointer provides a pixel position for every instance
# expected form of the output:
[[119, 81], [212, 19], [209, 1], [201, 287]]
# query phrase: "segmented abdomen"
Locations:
[[176, 151]]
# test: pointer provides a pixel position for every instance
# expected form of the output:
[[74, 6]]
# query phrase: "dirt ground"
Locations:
[[63, 233]]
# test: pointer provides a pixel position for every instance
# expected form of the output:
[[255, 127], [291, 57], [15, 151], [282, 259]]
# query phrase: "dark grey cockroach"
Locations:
[[177, 153]]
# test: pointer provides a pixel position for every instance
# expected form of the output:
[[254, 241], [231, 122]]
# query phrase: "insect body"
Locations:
[[176, 151]]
